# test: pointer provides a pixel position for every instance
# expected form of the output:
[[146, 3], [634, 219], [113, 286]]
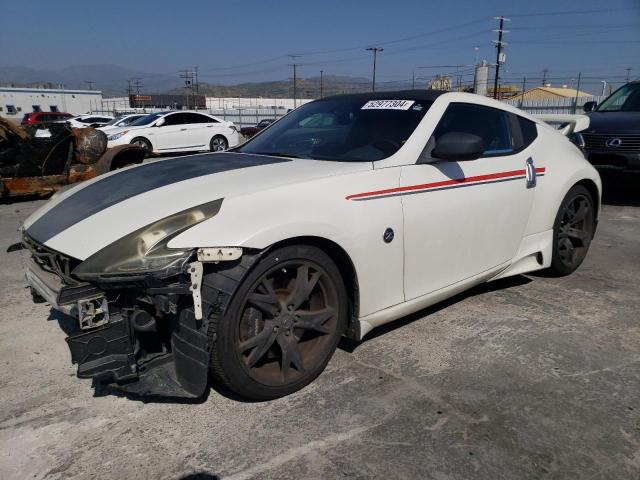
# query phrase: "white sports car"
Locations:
[[348, 213]]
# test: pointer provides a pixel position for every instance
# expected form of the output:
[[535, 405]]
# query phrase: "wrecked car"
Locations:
[[250, 265], [40, 159]]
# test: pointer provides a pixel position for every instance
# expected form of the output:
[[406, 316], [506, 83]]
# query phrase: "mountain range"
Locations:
[[112, 80]]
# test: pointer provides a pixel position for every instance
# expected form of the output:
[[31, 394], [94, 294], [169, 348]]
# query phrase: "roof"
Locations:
[[49, 90], [419, 95], [551, 92]]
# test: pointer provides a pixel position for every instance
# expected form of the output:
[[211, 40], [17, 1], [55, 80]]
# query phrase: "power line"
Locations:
[[569, 12]]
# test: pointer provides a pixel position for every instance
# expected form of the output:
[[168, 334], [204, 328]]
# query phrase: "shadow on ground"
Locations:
[[199, 476], [620, 188], [350, 345]]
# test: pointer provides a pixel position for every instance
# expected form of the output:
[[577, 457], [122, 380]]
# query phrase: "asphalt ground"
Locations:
[[525, 378]]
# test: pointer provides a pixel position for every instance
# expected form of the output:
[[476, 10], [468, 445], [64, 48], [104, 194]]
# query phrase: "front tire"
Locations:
[[573, 231], [144, 144], [282, 326], [218, 144]]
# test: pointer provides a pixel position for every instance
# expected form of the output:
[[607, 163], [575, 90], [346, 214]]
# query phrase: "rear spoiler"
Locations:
[[565, 123]]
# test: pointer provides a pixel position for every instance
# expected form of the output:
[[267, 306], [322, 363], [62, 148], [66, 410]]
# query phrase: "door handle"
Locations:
[[530, 173], [183, 129], [209, 126]]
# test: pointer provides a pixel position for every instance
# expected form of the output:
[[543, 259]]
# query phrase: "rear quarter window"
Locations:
[[529, 131]]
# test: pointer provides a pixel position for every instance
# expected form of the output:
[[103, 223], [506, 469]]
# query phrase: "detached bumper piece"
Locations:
[[106, 354]]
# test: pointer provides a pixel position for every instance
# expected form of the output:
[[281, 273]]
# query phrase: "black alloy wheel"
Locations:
[[283, 326], [573, 231]]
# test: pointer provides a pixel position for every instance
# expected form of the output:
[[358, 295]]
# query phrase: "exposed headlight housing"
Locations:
[[116, 136], [145, 250]]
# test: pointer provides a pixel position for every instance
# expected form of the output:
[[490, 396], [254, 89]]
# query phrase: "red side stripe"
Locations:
[[443, 183]]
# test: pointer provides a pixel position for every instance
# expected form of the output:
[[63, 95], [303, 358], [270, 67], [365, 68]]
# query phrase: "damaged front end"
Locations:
[[140, 324]]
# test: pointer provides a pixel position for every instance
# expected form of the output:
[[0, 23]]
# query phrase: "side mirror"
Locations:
[[458, 146], [589, 106], [160, 122]]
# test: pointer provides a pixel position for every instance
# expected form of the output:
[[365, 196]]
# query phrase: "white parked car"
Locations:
[[177, 131], [348, 213], [89, 120], [123, 121]]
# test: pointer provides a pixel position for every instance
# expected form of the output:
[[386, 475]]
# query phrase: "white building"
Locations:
[[121, 104], [16, 101]]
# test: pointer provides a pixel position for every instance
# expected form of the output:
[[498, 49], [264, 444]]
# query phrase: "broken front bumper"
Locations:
[[106, 344]]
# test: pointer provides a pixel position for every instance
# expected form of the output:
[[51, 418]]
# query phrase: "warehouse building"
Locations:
[[548, 92], [16, 101]]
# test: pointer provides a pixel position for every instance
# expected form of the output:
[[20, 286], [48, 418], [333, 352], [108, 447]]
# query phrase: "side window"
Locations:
[[36, 108], [175, 119], [197, 118], [11, 109], [490, 124], [53, 108]]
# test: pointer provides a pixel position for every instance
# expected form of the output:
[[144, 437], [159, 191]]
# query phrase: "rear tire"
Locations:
[[573, 231], [282, 325]]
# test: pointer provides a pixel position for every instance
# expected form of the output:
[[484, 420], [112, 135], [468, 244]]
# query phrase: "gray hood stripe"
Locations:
[[116, 188]]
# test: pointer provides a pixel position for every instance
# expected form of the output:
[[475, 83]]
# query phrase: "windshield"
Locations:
[[625, 99], [346, 130], [146, 120]]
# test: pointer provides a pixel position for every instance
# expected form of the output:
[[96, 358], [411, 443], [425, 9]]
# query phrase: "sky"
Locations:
[[248, 41]]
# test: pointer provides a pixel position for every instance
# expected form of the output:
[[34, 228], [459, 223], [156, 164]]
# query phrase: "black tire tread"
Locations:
[[557, 268]]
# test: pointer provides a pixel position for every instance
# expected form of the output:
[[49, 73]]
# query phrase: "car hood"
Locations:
[[113, 130], [87, 217], [614, 122]]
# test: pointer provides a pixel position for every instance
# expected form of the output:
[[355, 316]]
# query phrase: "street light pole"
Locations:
[[375, 51], [321, 72]]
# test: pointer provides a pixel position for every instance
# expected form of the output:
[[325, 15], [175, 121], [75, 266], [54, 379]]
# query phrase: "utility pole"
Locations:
[[628, 69], [188, 76], [129, 91], [524, 86], [321, 72], [195, 104], [295, 78], [604, 86], [499, 54], [413, 81], [575, 100], [375, 51], [544, 76], [90, 83], [137, 84]]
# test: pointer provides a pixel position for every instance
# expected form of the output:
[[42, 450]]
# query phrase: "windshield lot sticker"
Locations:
[[388, 105]]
